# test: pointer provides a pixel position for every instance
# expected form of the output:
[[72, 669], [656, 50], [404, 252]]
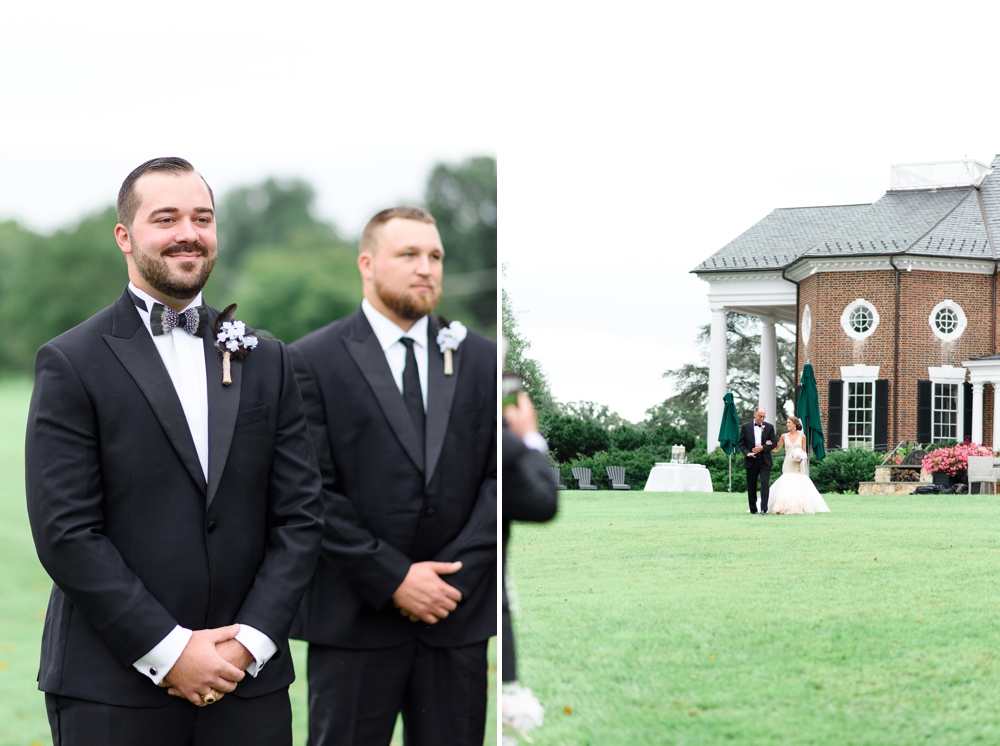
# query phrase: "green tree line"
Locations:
[[289, 271]]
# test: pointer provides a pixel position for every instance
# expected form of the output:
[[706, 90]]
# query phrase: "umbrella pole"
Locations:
[[730, 472]]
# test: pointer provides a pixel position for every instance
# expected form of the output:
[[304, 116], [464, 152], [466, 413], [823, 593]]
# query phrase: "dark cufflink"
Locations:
[[152, 671]]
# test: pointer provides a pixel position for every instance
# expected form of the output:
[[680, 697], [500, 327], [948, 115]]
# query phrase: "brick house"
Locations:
[[894, 304]]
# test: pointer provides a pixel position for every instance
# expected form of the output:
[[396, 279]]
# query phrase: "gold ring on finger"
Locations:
[[210, 698]]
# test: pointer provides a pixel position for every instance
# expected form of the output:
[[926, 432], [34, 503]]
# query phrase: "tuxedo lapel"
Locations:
[[440, 394], [132, 345], [368, 355], [223, 406]]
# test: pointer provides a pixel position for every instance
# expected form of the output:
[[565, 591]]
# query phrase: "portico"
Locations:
[[982, 371], [766, 295]]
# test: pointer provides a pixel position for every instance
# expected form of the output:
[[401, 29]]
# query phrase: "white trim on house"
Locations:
[[856, 374], [847, 326], [807, 266], [949, 374], [961, 321]]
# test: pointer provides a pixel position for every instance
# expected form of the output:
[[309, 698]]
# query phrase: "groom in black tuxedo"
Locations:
[[757, 440], [404, 599], [179, 518]]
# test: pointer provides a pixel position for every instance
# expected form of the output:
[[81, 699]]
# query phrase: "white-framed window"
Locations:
[[947, 402], [860, 319], [859, 405], [948, 320], [807, 323]]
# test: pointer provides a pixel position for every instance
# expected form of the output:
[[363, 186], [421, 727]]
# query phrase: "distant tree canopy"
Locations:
[[289, 271], [463, 200], [518, 362], [688, 408]]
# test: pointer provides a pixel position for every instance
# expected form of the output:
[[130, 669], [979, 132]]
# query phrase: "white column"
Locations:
[[718, 369], [768, 367], [977, 412], [996, 415]]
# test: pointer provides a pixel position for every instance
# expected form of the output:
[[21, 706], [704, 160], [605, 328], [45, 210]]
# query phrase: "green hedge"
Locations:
[[841, 471]]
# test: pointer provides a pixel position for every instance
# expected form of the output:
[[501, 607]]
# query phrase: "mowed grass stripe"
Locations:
[[682, 619]]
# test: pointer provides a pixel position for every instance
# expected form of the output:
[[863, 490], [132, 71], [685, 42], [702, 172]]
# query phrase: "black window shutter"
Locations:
[[881, 414], [924, 412], [967, 424], [835, 415]]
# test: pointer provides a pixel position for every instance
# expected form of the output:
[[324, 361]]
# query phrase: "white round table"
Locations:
[[666, 477]]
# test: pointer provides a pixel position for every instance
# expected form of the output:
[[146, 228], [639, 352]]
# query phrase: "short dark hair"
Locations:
[[128, 198], [406, 212]]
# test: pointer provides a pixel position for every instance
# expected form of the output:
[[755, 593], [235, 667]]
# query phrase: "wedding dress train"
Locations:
[[794, 492]]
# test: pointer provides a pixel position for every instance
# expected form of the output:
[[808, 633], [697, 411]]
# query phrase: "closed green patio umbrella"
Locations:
[[807, 410], [729, 433]]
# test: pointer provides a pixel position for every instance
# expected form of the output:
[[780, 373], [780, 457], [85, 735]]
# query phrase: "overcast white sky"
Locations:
[[638, 138], [360, 99], [653, 134]]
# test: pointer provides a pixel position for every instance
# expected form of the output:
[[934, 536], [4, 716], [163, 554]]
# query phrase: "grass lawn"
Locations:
[[24, 594], [682, 619]]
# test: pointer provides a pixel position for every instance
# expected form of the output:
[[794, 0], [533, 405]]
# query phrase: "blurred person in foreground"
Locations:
[[402, 410], [529, 494], [178, 517]]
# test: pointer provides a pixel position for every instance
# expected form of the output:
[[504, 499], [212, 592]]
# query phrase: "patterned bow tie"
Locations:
[[163, 320]]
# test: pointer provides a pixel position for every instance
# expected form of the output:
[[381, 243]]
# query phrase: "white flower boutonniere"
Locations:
[[448, 339], [234, 340]]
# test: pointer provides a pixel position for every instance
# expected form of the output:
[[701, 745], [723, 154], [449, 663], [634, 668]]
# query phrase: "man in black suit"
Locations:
[[529, 495], [757, 440], [403, 602], [179, 518]]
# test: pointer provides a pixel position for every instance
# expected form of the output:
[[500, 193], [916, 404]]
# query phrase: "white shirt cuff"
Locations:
[[260, 646], [157, 663], [536, 442]]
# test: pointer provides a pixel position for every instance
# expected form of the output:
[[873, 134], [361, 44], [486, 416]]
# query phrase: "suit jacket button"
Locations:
[[152, 672], [430, 511], [211, 526]]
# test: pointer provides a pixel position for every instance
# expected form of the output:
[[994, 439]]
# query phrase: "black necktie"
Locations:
[[163, 320], [412, 396]]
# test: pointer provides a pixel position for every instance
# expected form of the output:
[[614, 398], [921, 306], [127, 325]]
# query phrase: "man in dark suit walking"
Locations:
[[179, 518], [403, 601], [756, 442]]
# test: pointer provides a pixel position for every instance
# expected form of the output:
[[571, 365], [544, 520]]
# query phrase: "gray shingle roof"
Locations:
[[959, 234], [943, 222], [892, 224], [779, 239]]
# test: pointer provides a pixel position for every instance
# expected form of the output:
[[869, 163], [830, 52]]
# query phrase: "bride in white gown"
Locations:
[[794, 492]]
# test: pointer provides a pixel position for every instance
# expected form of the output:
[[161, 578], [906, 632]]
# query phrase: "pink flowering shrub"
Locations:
[[954, 460]]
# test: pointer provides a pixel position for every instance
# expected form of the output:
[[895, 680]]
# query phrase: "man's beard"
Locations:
[[155, 270], [405, 305]]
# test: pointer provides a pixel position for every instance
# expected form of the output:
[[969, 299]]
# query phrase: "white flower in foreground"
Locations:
[[520, 710]]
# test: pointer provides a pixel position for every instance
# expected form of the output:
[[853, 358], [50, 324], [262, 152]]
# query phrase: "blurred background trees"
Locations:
[[290, 271]]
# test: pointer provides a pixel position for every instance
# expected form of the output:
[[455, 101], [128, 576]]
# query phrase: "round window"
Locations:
[[947, 320], [859, 320]]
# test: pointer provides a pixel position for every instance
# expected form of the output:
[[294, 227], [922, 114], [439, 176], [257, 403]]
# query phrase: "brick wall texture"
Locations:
[[828, 293]]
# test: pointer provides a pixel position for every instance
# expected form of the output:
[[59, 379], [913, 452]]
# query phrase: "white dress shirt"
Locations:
[[183, 356], [757, 430], [389, 334]]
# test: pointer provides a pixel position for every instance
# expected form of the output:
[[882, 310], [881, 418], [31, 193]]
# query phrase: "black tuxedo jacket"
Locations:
[[385, 506], [747, 444], [126, 525], [529, 495]]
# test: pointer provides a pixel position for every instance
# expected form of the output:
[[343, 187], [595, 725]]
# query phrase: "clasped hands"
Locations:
[[424, 596], [757, 449], [212, 664]]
